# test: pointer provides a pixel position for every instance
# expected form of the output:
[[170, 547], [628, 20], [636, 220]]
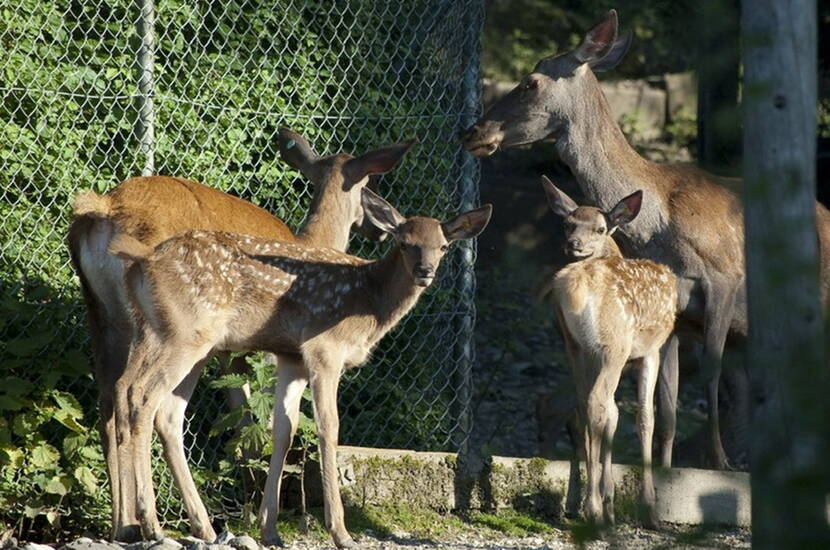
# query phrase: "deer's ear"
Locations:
[[467, 225], [615, 54], [295, 150], [625, 210], [378, 161], [382, 214], [599, 41], [559, 202]]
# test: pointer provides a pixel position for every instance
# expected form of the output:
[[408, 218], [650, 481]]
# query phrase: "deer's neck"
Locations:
[[606, 167], [393, 292], [327, 224], [611, 250]]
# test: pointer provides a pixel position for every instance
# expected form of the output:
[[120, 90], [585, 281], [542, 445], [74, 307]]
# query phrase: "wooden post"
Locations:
[[789, 381]]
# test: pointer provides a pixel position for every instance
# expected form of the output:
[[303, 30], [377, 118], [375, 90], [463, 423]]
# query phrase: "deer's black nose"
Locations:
[[469, 132], [424, 271], [575, 244]]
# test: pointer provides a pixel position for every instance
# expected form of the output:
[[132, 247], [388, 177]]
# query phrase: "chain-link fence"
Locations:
[[95, 92]]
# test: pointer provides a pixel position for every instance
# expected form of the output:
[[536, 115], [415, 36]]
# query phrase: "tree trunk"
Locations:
[[785, 347]]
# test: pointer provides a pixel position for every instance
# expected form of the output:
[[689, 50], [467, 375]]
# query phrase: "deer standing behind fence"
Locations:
[[610, 311], [202, 292], [152, 209], [692, 221]]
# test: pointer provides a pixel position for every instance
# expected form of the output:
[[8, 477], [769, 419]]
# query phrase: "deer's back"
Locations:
[[155, 208], [242, 283], [605, 299]]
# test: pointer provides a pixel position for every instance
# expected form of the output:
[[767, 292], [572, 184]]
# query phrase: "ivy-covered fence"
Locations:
[[94, 92]]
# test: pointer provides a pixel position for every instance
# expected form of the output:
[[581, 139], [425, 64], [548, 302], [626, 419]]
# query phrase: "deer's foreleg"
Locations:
[[720, 296], [601, 422], [325, 369], [292, 379]]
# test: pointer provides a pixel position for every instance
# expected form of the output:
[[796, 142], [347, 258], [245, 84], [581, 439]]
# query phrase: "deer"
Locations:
[[691, 220], [153, 209], [610, 310], [204, 291]]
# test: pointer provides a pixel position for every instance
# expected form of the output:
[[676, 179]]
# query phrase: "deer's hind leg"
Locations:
[[162, 370], [169, 423]]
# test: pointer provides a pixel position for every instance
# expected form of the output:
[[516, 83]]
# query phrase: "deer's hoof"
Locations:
[[272, 539], [347, 543]]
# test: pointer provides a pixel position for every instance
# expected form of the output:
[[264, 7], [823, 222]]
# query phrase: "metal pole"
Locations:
[[145, 127], [468, 188]]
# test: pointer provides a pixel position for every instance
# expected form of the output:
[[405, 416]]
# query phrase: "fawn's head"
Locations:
[[587, 228], [559, 89], [339, 179], [423, 241]]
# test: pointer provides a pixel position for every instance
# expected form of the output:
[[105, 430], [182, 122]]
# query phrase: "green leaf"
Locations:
[[15, 386], [11, 403], [72, 443], [44, 457], [66, 418], [33, 509], [87, 479], [11, 457], [261, 404], [92, 452], [229, 381], [68, 403], [26, 423], [58, 485], [227, 421]]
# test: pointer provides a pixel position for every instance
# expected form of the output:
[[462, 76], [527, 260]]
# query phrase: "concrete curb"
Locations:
[[684, 495]]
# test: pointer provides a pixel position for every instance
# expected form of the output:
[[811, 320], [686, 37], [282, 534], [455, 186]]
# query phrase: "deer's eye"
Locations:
[[444, 248], [601, 230]]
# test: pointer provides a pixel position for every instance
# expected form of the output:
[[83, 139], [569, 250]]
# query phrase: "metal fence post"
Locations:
[[468, 187], [145, 125]]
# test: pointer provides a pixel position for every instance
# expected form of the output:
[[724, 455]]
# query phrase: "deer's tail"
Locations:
[[90, 203], [129, 248]]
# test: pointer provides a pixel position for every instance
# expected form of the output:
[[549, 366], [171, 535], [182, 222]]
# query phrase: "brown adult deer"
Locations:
[[610, 310], [206, 291], [691, 221], [152, 209]]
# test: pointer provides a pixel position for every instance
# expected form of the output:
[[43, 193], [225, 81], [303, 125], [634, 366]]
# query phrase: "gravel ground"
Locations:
[[622, 537]]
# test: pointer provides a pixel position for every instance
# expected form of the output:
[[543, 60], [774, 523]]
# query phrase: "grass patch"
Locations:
[[511, 523]]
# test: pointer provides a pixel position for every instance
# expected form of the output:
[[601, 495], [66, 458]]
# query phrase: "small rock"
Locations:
[[86, 543], [165, 544], [140, 545], [243, 542], [36, 546], [193, 543], [224, 537], [220, 547]]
